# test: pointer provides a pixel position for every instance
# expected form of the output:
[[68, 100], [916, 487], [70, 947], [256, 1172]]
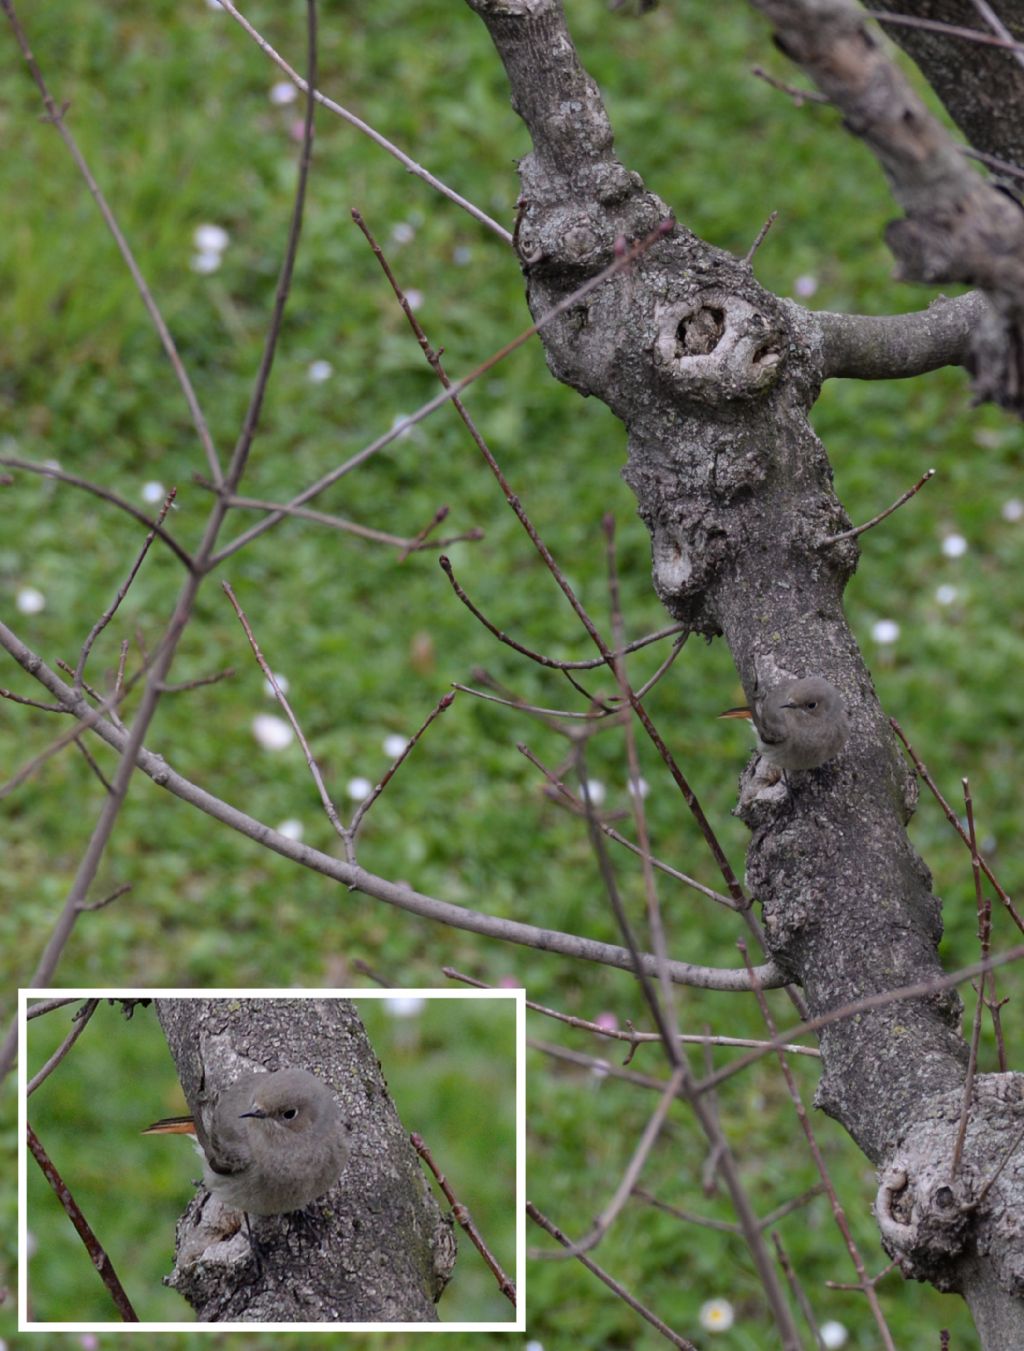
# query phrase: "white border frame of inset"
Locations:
[[517, 996]]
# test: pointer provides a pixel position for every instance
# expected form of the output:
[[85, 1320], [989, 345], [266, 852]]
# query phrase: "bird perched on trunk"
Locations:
[[800, 724]]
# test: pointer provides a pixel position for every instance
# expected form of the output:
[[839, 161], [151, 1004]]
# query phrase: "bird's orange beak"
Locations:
[[172, 1125], [737, 713]]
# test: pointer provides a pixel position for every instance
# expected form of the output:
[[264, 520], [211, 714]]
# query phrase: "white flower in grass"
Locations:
[[405, 1006], [717, 1315], [282, 685], [214, 4], [414, 298], [358, 788], [639, 788], [534, 1346], [1013, 510], [462, 255], [403, 233], [319, 371], [596, 791], [273, 734], [833, 1334], [211, 238], [946, 594], [394, 744], [30, 600], [954, 546], [206, 262], [805, 285], [291, 829], [885, 631], [153, 491], [283, 92]]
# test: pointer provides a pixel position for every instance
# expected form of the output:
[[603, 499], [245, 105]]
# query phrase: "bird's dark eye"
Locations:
[[290, 1113], [812, 703]]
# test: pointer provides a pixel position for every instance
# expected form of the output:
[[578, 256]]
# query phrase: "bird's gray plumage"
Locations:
[[801, 723]]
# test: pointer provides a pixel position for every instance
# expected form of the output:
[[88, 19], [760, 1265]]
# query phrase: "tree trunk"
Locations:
[[376, 1248], [714, 378]]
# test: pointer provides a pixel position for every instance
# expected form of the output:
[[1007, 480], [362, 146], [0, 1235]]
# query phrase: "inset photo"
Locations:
[[271, 1158]]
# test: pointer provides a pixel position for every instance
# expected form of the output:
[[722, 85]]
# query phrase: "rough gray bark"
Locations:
[[714, 378], [978, 84], [376, 1248]]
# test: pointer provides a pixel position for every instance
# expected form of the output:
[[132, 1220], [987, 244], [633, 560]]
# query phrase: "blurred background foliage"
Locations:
[[173, 107]]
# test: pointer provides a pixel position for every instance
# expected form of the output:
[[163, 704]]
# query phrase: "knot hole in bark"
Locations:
[[716, 347]]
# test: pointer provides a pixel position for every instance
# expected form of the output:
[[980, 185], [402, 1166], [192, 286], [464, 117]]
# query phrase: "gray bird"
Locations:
[[271, 1143], [800, 724]]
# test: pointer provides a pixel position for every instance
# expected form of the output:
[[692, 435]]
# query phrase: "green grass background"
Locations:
[[170, 105]]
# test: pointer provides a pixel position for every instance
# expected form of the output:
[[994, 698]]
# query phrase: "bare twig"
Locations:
[[859, 529], [78, 1025], [112, 896], [97, 1255], [1000, 29], [49, 1006], [589, 715], [132, 745], [366, 129], [951, 30], [984, 908], [627, 1182], [634, 1038], [465, 1220], [451, 391], [105, 494], [760, 237], [198, 682], [92, 762], [798, 1292], [922, 989], [838, 1214], [55, 115], [549, 1227], [798, 95], [122, 591], [351, 875], [326, 800], [577, 806], [240, 454], [30, 703], [953, 820], [444, 703]]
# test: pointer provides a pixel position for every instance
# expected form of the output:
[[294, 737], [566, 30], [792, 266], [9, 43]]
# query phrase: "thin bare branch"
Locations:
[[860, 529], [951, 30], [629, 1177], [919, 990], [953, 820], [443, 704], [465, 1220], [105, 494], [631, 1035], [122, 591], [351, 875], [366, 129], [838, 1213], [551, 1228], [450, 392], [97, 1255], [78, 1025], [326, 800], [243, 445], [56, 115], [984, 909]]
